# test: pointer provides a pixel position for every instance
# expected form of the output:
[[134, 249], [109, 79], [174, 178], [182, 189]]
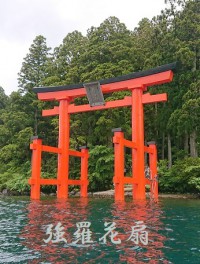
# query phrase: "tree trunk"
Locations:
[[186, 145], [36, 123], [194, 68], [193, 135], [163, 146], [193, 145], [169, 151], [156, 116]]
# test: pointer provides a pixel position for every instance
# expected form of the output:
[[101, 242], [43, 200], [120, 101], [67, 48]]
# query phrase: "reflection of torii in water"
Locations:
[[42, 213], [137, 83]]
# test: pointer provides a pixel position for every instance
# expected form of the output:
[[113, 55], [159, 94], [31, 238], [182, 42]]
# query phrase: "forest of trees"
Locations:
[[106, 51]]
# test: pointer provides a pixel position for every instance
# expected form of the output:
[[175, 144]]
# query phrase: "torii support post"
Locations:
[[34, 181], [153, 169], [84, 172], [118, 179]]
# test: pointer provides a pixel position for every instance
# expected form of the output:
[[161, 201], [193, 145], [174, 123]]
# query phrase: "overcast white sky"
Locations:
[[22, 20]]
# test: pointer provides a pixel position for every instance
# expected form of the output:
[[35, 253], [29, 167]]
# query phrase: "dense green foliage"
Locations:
[[183, 177], [107, 51]]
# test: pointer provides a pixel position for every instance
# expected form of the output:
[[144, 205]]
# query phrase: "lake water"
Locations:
[[98, 230]]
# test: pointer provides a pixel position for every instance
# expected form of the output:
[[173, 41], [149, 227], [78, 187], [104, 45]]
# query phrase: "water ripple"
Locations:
[[173, 231]]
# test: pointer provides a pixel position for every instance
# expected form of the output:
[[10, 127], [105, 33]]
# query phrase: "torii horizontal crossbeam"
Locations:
[[146, 99], [156, 76]]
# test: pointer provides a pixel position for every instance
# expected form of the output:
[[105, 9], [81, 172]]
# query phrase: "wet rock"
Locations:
[[52, 194], [5, 192], [109, 193], [72, 193], [77, 194]]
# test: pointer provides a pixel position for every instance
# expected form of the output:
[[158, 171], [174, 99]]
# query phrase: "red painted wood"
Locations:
[[146, 81]]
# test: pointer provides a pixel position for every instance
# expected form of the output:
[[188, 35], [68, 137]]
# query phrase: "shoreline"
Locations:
[[105, 194], [128, 193]]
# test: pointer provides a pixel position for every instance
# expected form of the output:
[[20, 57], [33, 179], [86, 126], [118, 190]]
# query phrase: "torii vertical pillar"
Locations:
[[63, 145], [138, 138]]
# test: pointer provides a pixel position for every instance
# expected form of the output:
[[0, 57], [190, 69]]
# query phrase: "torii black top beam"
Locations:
[[162, 68]]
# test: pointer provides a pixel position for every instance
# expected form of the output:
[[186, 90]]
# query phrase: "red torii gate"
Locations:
[[137, 83]]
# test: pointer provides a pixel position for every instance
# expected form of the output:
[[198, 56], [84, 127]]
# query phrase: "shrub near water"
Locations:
[[183, 177]]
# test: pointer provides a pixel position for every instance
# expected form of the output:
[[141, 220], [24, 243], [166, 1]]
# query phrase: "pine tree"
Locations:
[[34, 67]]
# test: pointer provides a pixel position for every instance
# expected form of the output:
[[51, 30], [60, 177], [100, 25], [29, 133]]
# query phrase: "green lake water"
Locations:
[[172, 225]]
